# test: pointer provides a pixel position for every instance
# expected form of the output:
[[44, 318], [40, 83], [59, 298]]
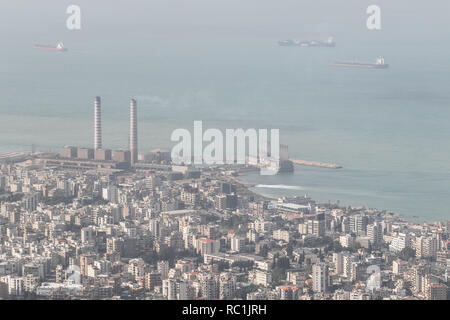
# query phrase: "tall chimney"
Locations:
[[133, 131], [97, 123]]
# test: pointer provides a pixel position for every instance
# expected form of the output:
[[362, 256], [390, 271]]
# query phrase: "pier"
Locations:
[[316, 164]]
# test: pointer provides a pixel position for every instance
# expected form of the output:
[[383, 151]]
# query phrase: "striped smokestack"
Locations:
[[97, 123], [133, 131]]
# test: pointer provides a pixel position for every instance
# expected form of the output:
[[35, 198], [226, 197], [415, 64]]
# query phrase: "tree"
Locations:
[[301, 258], [407, 253], [282, 263], [243, 265], [289, 250], [222, 265], [333, 246], [167, 253], [264, 251], [278, 275], [355, 246], [318, 242], [242, 292]]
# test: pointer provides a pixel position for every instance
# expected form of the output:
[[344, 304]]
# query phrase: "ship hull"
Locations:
[[360, 65], [49, 48], [312, 43], [328, 45]]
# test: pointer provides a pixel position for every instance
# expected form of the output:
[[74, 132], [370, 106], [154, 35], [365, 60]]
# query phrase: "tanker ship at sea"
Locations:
[[59, 47], [379, 64], [307, 43]]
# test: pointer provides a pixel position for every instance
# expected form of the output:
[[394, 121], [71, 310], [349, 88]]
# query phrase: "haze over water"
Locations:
[[220, 63]]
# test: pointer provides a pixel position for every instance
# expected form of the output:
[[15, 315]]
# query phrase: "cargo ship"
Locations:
[[379, 64], [309, 43], [59, 47]]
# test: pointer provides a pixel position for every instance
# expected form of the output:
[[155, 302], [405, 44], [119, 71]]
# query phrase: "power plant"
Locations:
[[97, 123], [133, 131], [101, 159], [118, 159]]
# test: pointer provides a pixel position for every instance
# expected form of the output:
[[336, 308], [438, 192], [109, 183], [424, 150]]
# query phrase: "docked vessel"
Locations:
[[379, 64], [309, 43], [59, 47], [285, 166]]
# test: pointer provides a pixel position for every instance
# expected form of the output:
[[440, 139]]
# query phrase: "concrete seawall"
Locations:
[[316, 164]]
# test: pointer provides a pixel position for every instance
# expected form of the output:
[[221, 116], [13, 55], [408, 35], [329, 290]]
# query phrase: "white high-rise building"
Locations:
[[209, 287], [320, 277], [262, 278], [346, 240], [426, 247], [400, 242], [338, 260], [447, 270], [163, 269], [227, 286], [15, 286], [237, 244], [347, 261], [155, 228], [183, 291], [358, 224], [170, 289], [87, 235], [375, 233]]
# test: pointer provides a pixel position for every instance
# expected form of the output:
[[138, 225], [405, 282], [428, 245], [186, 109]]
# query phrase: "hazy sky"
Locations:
[[259, 18]]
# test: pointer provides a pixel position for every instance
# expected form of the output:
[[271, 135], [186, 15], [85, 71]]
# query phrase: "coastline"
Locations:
[[253, 188]]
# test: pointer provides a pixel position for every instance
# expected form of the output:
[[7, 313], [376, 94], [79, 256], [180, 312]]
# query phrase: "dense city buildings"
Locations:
[[93, 223], [154, 230]]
